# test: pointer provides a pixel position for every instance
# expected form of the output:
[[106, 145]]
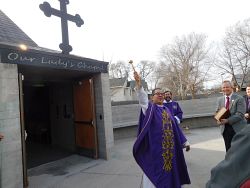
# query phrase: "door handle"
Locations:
[[85, 122]]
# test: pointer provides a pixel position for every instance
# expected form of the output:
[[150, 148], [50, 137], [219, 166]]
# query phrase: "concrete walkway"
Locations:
[[121, 171]]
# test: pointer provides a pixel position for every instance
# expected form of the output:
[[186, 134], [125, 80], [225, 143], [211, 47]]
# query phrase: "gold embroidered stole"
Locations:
[[167, 141]]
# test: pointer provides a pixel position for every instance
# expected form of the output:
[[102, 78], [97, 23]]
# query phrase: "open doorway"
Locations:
[[49, 114], [48, 123]]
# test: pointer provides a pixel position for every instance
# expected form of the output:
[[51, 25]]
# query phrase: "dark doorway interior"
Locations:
[[37, 112], [37, 116], [48, 113]]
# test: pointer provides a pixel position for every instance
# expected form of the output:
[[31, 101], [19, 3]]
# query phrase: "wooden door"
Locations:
[[84, 118], [24, 159]]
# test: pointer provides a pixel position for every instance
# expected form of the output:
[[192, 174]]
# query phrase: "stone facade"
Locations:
[[103, 115], [11, 148], [11, 163]]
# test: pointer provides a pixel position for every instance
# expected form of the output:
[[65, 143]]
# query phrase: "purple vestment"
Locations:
[[174, 108], [158, 149]]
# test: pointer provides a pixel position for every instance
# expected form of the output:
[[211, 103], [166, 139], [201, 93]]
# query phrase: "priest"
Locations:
[[173, 106], [158, 149]]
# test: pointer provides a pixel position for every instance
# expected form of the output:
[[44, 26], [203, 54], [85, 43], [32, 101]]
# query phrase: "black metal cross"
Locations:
[[62, 13]]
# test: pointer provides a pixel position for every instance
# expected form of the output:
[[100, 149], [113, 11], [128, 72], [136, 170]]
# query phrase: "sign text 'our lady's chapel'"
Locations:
[[53, 61]]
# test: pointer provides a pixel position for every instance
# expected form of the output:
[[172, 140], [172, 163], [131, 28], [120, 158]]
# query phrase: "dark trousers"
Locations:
[[228, 135]]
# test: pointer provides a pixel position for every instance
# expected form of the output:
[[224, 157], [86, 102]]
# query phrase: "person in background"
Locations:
[[233, 171], [173, 106], [247, 100], [158, 148], [237, 107], [175, 109]]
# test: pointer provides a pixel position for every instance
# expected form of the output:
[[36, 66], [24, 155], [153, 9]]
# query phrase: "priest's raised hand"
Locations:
[[137, 79]]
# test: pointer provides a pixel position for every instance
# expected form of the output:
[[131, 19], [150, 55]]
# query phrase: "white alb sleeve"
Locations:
[[143, 99], [178, 120]]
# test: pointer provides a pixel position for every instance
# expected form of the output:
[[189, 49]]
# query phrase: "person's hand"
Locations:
[[137, 79], [187, 148], [1, 136], [246, 115], [223, 121]]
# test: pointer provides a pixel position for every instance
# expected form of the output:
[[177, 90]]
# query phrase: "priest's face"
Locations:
[[158, 96], [168, 96]]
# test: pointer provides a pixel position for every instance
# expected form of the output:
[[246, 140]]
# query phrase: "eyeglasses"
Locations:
[[158, 94]]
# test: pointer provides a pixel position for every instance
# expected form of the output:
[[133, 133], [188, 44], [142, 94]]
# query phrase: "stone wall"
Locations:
[[10, 147], [190, 123], [124, 115], [198, 113], [103, 115]]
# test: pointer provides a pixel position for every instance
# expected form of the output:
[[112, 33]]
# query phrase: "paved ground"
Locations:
[[121, 171]]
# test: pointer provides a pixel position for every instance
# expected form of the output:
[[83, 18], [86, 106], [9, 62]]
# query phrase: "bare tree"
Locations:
[[146, 68], [234, 56], [168, 79], [157, 75], [188, 63], [119, 69]]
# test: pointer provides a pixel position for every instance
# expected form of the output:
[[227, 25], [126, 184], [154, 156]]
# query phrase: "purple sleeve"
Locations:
[[179, 112]]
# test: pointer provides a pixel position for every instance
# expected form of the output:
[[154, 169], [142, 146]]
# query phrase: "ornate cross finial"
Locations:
[[65, 17]]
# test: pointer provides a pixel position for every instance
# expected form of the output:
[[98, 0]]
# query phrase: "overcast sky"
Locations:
[[129, 29]]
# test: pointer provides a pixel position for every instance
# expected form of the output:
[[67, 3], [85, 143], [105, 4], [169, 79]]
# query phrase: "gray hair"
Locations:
[[228, 82]]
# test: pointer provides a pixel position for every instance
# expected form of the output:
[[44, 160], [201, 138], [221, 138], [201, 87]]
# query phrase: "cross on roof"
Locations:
[[65, 17]]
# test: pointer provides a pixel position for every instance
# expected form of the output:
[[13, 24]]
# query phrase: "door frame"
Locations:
[[22, 129], [94, 116]]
